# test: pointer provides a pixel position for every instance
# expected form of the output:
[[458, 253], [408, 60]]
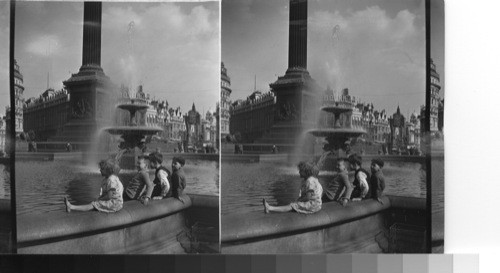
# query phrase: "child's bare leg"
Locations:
[[285, 208], [87, 207], [268, 208], [70, 207]]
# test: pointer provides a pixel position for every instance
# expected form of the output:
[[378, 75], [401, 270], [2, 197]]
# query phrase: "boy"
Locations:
[[140, 187], [339, 188], [377, 180], [178, 179], [161, 184], [360, 182]]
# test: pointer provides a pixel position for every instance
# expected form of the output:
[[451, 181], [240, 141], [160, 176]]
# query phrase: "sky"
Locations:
[[4, 56], [172, 49], [377, 51]]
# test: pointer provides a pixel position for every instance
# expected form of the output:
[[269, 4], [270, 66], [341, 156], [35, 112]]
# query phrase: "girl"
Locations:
[[110, 199], [309, 200]]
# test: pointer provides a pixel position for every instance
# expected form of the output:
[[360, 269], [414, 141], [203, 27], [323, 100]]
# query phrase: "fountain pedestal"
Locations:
[[294, 111], [91, 95]]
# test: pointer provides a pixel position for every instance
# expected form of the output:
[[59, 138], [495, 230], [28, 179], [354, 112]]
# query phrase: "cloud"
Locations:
[[45, 45], [375, 51], [4, 55], [168, 48], [364, 42]]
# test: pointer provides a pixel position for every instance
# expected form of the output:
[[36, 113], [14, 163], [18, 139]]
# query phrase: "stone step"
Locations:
[[267, 148], [277, 141], [277, 135]]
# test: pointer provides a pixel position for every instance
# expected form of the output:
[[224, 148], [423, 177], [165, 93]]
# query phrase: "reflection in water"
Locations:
[[4, 182], [41, 186], [437, 198], [244, 185]]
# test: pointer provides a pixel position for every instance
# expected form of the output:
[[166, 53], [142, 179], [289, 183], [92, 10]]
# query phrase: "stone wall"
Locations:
[[361, 227], [162, 227], [5, 226]]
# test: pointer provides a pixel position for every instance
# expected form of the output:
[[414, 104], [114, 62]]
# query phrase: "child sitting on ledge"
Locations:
[[309, 200], [339, 188], [377, 180], [162, 187], [140, 187], [361, 176], [178, 179], [110, 199]]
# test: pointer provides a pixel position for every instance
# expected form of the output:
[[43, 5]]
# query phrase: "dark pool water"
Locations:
[[41, 186], [245, 184]]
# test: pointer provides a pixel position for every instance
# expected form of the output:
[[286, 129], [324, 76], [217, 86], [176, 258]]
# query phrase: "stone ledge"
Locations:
[[205, 201], [58, 226], [407, 202], [252, 226]]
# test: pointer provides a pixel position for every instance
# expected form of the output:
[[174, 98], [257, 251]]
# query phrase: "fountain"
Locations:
[[133, 135], [336, 134]]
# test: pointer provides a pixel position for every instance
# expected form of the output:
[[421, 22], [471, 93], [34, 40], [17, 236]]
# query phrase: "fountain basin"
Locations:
[[361, 227], [162, 227], [337, 132], [132, 104], [337, 107], [133, 130], [132, 108]]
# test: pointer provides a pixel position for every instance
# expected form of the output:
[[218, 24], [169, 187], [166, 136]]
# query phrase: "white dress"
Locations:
[[111, 197], [309, 200]]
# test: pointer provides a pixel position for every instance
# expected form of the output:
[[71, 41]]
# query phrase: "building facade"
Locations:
[[441, 115], [414, 132], [176, 127], [18, 106], [19, 99], [3, 136], [209, 131], [253, 117], [225, 102], [435, 99], [46, 115]]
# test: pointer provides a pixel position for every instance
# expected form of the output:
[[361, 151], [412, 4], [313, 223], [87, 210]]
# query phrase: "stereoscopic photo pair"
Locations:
[[246, 127]]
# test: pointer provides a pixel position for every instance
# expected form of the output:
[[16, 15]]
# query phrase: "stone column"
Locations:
[[92, 14], [297, 36]]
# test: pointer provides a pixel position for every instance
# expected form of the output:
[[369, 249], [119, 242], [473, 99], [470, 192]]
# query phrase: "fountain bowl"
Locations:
[[136, 130], [337, 107], [338, 132], [133, 105]]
